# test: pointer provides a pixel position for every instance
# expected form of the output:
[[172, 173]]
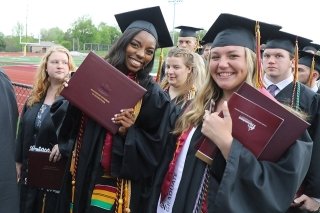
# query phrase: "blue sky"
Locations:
[[293, 17]]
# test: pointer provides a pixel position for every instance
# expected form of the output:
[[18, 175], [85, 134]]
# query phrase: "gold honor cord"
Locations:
[[123, 185], [75, 158], [43, 202]]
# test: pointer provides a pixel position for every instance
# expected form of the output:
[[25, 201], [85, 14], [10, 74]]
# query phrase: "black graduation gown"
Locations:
[[9, 199], [240, 184], [309, 103], [46, 137], [134, 157]]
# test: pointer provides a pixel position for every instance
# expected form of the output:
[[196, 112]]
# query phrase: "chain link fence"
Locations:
[[22, 93]]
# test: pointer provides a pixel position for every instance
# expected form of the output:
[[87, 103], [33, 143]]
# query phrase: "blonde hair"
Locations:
[[42, 82], [200, 69], [210, 90], [189, 61]]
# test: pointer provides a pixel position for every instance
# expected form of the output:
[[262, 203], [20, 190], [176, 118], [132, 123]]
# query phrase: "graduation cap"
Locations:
[[186, 31], [307, 58], [229, 29], [148, 19], [284, 40], [311, 47], [289, 42], [204, 43], [312, 61]]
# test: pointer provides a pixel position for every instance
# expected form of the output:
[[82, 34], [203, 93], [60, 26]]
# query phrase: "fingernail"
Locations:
[[121, 110]]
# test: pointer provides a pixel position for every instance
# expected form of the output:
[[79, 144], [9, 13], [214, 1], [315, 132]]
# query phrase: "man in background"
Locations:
[[309, 68], [278, 60], [188, 39]]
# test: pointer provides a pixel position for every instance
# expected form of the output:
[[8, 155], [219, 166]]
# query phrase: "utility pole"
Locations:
[[174, 15], [25, 45]]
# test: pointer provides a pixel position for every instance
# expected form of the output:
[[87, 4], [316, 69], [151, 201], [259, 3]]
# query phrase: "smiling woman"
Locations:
[[184, 182], [120, 166]]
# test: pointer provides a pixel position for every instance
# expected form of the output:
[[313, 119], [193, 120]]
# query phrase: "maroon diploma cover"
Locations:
[[45, 174], [101, 91], [262, 125]]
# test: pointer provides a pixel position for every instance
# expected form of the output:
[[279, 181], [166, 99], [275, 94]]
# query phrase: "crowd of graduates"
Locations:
[[150, 163]]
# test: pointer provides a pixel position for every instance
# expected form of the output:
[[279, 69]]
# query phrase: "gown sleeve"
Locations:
[[249, 185], [65, 118], [311, 184], [138, 154], [19, 138]]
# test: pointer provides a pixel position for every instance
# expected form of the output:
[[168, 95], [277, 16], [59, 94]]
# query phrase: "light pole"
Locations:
[[174, 15]]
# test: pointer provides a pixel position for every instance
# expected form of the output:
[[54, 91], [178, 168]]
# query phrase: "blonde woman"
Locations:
[[181, 76], [36, 128], [236, 181]]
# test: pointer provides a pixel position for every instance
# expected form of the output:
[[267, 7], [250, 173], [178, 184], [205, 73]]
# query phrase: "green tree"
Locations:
[[84, 30], [2, 42], [55, 35], [69, 41], [13, 44], [107, 34]]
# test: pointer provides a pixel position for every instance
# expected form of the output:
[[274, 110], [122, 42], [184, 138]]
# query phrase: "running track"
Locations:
[[23, 74]]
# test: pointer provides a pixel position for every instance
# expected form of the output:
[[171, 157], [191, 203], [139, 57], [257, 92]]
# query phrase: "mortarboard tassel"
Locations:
[[258, 80], [295, 78], [311, 72], [198, 46], [296, 59], [258, 83], [160, 66]]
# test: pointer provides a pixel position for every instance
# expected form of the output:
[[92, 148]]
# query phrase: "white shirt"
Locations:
[[281, 85], [314, 88]]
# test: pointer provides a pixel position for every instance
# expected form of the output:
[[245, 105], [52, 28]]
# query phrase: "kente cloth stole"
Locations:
[[103, 196], [168, 177]]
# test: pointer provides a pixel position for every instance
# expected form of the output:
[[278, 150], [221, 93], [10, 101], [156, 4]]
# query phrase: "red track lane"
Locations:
[[21, 73]]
